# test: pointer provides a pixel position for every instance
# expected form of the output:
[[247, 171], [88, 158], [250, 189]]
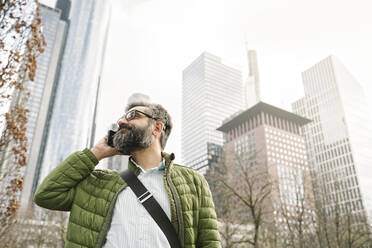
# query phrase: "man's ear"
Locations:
[[158, 128]]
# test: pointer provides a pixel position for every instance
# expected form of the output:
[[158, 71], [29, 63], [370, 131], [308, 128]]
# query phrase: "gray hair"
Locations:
[[160, 114]]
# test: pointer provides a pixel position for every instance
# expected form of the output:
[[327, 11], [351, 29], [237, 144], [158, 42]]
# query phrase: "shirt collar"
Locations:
[[160, 166]]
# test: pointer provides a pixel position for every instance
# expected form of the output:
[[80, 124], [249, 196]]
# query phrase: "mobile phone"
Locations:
[[110, 138]]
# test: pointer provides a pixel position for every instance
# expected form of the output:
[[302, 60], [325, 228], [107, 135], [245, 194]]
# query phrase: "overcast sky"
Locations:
[[152, 41]]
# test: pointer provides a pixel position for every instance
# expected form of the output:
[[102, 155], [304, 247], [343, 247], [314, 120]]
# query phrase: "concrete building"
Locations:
[[339, 140], [268, 140], [41, 92], [211, 91]]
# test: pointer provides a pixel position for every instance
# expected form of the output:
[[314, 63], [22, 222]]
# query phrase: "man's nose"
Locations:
[[122, 121]]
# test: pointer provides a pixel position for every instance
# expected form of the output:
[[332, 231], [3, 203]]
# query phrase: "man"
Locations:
[[106, 213]]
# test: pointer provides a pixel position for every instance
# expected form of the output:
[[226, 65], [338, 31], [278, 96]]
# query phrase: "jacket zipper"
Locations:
[[176, 198], [105, 226]]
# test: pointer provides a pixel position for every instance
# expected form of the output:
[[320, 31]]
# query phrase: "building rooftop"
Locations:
[[245, 115]]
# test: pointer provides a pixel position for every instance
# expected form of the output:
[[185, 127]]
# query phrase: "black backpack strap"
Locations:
[[152, 206]]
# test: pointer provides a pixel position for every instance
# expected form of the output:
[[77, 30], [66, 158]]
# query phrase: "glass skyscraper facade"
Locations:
[[72, 118], [211, 92], [50, 18], [54, 30], [339, 138]]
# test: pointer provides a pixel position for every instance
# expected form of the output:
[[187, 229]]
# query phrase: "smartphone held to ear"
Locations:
[[110, 138]]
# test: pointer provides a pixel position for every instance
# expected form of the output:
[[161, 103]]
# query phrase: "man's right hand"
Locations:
[[102, 150]]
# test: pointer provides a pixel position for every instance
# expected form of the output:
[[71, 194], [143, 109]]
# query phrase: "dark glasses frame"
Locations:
[[130, 115]]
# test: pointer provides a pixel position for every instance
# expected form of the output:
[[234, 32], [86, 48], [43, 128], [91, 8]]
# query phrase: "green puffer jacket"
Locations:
[[91, 194]]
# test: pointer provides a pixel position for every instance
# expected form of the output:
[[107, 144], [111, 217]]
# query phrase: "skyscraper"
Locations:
[[268, 141], [41, 91], [339, 139], [211, 91], [64, 6], [252, 84], [72, 118]]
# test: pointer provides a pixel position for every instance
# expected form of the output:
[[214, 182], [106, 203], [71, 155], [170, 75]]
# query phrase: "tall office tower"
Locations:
[[339, 139], [64, 6], [269, 140], [41, 89], [252, 84], [211, 91], [72, 117]]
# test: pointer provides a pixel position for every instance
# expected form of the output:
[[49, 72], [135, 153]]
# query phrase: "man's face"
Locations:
[[135, 134]]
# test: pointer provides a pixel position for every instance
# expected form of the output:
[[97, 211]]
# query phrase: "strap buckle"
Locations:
[[145, 196]]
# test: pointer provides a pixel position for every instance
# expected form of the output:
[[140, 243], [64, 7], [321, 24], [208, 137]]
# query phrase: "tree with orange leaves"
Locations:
[[21, 40]]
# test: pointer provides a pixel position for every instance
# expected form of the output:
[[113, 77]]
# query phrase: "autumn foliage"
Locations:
[[21, 40]]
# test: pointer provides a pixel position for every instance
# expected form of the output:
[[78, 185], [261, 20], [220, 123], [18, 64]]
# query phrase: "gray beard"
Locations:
[[130, 140]]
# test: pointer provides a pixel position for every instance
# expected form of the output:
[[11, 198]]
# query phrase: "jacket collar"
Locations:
[[168, 163]]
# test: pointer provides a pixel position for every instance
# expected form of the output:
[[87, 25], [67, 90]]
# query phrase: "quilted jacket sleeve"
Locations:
[[57, 190], [208, 235]]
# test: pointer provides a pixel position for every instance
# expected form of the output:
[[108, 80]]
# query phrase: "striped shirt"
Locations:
[[132, 225]]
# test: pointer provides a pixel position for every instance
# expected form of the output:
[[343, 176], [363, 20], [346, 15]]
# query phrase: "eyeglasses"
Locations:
[[130, 115]]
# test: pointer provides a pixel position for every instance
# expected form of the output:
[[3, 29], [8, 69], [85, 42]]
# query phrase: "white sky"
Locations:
[[152, 41]]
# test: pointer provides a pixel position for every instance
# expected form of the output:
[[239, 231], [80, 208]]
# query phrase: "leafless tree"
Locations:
[[297, 210], [339, 224], [242, 186], [245, 181], [235, 227]]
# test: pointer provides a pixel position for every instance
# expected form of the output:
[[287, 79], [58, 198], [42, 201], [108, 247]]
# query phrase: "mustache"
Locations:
[[125, 126]]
